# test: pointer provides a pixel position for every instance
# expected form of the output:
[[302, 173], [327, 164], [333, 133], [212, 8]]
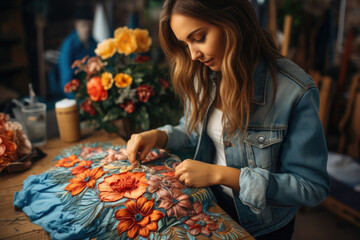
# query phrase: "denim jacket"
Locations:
[[283, 155]]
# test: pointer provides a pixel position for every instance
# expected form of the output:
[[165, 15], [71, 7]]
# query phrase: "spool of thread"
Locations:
[[67, 115]]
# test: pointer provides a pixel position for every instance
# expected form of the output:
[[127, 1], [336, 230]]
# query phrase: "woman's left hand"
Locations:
[[195, 173]]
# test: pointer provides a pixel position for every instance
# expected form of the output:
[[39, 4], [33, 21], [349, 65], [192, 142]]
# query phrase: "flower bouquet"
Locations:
[[120, 83]]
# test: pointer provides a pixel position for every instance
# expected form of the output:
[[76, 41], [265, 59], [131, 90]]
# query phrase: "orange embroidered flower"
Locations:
[[127, 184], [85, 179], [122, 80], [67, 162], [138, 218], [96, 90], [83, 166]]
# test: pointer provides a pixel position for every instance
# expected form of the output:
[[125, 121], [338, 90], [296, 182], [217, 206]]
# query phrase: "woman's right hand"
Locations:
[[141, 144]]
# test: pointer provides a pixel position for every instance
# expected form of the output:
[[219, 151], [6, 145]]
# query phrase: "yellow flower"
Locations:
[[107, 80], [106, 49], [125, 40], [142, 39], [122, 80]]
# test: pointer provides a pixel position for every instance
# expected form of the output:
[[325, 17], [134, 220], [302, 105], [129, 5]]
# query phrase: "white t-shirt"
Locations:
[[214, 130]]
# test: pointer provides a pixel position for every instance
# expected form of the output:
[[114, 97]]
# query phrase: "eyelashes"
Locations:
[[201, 40]]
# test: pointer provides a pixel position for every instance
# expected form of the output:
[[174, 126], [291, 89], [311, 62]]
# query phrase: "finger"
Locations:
[[132, 150], [144, 152]]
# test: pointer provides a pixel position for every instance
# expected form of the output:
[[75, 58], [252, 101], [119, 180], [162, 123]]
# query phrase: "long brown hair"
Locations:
[[246, 43]]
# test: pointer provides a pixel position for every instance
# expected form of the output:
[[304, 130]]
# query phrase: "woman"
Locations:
[[251, 116]]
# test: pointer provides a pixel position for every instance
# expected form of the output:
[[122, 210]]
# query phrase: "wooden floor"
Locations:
[[14, 224]]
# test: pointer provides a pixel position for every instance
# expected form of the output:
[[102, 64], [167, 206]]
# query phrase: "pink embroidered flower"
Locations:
[[127, 184], [144, 92], [138, 218], [112, 155], [94, 65], [87, 152], [157, 182], [201, 223], [82, 167], [174, 202]]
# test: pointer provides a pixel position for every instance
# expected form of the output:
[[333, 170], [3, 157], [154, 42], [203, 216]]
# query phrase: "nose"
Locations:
[[195, 53]]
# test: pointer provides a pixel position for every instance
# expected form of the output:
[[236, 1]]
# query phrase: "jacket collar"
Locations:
[[260, 82]]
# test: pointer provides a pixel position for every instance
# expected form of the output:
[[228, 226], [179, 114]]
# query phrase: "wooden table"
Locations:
[[14, 223]]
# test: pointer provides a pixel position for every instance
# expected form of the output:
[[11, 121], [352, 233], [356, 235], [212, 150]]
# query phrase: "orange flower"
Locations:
[[138, 218], [67, 162], [107, 80], [127, 184], [96, 90], [142, 39], [85, 179], [106, 49], [83, 166], [125, 41], [122, 80]]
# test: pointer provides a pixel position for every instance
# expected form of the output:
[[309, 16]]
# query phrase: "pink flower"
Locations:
[[128, 106], [94, 65], [72, 86], [158, 182], [144, 92], [174, 202], [87, 151], [201, 223], [88, 107], [141, 59], [164, 83], [113, 155]]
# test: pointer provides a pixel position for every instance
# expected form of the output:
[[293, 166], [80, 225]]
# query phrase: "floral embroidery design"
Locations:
[[68, 162], [201, 223], [85, 179], [138, 218], [83, 166], [174, 202], [112, 199], [127, 184]]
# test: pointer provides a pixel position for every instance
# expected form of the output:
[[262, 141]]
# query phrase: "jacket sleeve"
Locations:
[[303, 178], [178, 138]]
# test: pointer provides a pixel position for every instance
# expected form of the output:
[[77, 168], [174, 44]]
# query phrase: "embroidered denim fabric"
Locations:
[[93, 192]]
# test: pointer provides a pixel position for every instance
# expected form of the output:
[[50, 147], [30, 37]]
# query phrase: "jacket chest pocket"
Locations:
[[262, 148]]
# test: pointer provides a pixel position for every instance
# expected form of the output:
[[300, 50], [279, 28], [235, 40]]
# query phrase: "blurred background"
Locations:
[[321, 36]]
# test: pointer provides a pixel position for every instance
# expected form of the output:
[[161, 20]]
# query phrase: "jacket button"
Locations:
[[261, 139]]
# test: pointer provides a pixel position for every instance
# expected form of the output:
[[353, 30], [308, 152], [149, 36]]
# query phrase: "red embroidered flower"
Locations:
[[127, 184], [96, 90], [141, 59], [164, 83], [72, 86], [67, 162], [174, 202], [128, 106], [88, 107], [138, 218], [157, 182], [144, 92], [85, 179], [82, 167], [201, 223]]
